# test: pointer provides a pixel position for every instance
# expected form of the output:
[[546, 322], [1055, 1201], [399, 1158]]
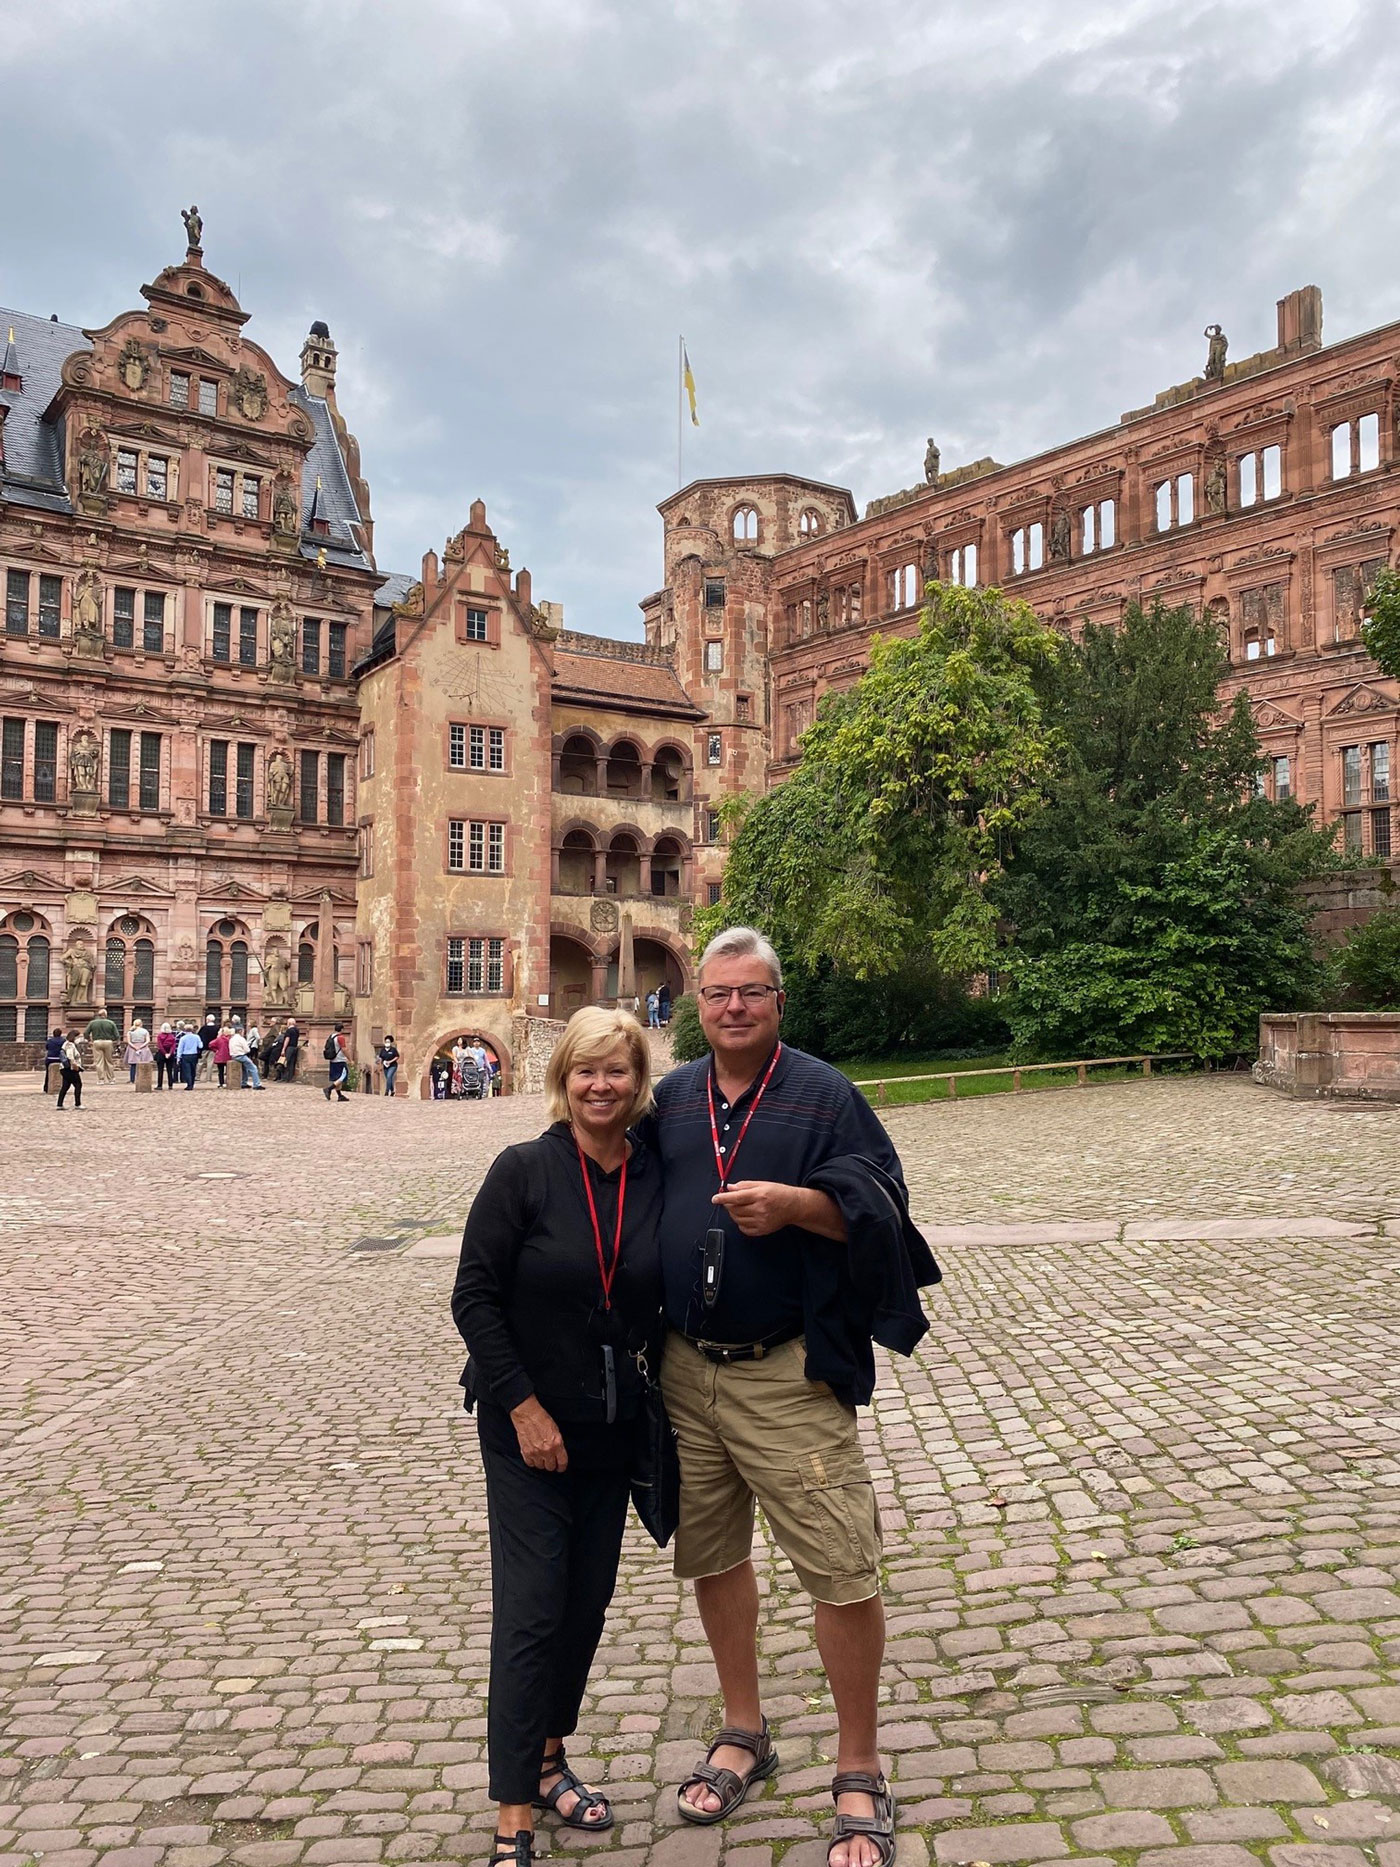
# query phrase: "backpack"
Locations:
[[331, 1050]]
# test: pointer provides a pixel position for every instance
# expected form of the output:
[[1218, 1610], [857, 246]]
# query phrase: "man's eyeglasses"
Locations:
[[753, 996]]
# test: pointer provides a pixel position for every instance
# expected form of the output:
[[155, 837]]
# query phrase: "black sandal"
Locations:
[[729, 1787], [519, 1849], [879, 1827], [555, 1764]]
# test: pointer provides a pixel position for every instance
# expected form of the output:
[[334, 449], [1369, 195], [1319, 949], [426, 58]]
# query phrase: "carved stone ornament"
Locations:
[[1364, 700], [250, 393], [1215, 488], [93, 463], [134, 366], [282, 640], [1060, 535], [194, 227], [87, 613], [284, 510], [602, 917], [84, 754], [1215, 356], [279, 782]]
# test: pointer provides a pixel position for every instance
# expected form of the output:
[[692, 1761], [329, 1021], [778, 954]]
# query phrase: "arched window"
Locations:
[[238, 971], [578, 767], [37, 978], [576, 864], [666, 866], [809, 523], [668, 776], [9, 966], [306, 963], [214, 972], [745, 525], [624, 770], [114, 979], [624, 866], [143, 972]]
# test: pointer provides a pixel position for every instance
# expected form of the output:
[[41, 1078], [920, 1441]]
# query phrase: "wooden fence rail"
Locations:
[[880, 1084]]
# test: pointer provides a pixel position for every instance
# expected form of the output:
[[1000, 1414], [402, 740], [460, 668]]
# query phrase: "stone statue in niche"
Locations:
[[135, 366], [77, 976], [1215, 488], [282, 638], [194, 227], [1060, 535], [823, 608], [87, 605], [932, 459], [284, 510], [83, 755], [277, 976], [930, 561], [250, 393], [1215, 356], [92, 463], [279, 782]]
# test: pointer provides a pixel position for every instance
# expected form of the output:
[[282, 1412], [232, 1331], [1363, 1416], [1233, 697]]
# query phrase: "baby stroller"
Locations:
[[473, 1083]]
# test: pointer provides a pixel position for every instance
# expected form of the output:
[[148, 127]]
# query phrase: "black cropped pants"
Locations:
[[556, 1538]]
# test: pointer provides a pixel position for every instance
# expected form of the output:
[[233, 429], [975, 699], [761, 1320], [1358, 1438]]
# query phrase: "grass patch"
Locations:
[[900, 1092]]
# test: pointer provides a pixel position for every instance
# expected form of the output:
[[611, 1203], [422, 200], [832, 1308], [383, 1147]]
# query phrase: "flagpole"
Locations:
[[680, 403]]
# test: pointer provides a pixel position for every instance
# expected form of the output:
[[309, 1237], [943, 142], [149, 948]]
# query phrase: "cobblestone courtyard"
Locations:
[[1141, 1492]]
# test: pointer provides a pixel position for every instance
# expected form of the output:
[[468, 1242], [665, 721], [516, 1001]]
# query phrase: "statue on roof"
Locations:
[[1215, 356], [932, 458], [194, 226]]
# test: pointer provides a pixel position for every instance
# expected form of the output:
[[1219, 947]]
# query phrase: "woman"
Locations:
[[558, 1299], [459, 1063], [389, 1063], [218, 1050], [138, 1047], [165, 1043]]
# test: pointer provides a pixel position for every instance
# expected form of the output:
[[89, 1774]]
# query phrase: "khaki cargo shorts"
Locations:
[[761, 1431]]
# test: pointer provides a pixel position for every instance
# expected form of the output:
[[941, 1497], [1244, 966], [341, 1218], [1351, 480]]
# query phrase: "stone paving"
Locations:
[[1141, 1491]]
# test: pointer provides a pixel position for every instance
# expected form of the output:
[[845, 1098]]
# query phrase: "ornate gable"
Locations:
[[1363, 698]]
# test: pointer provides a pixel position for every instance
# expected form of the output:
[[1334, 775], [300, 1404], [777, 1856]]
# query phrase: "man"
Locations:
[[240, 1052], [339, 1060], [207, 1032], [271, 1060], [768, 1353], [291, 1044], [187, 1049], [103, 1035]]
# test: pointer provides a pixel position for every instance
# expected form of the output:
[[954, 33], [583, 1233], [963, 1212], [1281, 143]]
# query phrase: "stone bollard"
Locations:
[[53, 1079], [145, 1078]]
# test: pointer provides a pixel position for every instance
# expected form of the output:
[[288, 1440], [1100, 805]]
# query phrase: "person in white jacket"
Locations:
[[238, 1053]]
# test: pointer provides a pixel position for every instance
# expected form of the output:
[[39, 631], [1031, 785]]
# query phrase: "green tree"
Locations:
[[1381, 629], [1154, 896], [1366, 967], [882, 846]]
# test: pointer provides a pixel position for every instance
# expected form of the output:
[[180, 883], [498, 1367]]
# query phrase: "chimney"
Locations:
[[522, 588], [318, 356], [430, 575], [1300, 321], [10, 377]]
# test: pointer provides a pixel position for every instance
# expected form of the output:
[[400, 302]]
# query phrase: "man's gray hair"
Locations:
[[742, 943]]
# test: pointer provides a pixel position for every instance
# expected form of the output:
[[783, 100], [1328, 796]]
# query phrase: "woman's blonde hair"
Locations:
[[590, 1034]]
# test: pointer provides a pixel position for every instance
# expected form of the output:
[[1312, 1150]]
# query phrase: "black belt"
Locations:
[[725, 1352]]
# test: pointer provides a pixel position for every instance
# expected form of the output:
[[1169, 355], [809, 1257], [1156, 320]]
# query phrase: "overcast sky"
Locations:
[[998, 221]]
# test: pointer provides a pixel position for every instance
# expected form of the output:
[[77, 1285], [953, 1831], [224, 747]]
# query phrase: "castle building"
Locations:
[[186, 554], [242, 769]]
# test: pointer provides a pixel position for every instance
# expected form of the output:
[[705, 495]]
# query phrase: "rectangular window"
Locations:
[[1249, 479], [1162, 505], [495, 849], [45, 761], [310, 784], [1351, 774], [123, 618], [223, 632], [456, 965], [1341, 451], [456, 843], [50, 607], [153, 622], [310, 645], [476, 743], [364, 969], [223, 489], [712, 893], [126, 469], [247, 638], [1380, 832], [1351, 833], [218, 777], [486, 965], [17, 602], [208, 396], [714, 593], [367, 754], [496, 748], [157, 476], [714, 749], [476, 844], [179, 389], [477, 625], [252, 488], [1108, 523], [1272, 459], [335, 787], [741, 706], [1185, 498], [712, 826], [12, 759], [335, 651], [149, 792], [1283, 779], [1380, 773], [119, 768], [243, 793], [1368, 442], [457, 747], [714, 657], [962, 566], [365, 840]]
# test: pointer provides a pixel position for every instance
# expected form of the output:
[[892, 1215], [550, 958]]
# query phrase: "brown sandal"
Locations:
[[726, 1784], [879, 1827]]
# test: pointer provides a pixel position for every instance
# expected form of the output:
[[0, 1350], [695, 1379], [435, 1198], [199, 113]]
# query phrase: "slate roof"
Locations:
[[344, 544], [33, 470], [394, 589]]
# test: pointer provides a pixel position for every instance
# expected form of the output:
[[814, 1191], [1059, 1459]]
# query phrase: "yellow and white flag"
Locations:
[[688, 379]]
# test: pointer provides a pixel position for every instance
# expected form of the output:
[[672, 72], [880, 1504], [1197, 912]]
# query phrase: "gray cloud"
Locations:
[[1001, 222]]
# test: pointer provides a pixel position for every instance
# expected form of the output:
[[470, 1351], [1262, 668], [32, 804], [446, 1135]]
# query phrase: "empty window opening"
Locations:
[[962, 566], [745, 526]]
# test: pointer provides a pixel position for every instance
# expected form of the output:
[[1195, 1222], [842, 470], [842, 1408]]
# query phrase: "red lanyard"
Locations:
[[606, 1272], [722, 1166]]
